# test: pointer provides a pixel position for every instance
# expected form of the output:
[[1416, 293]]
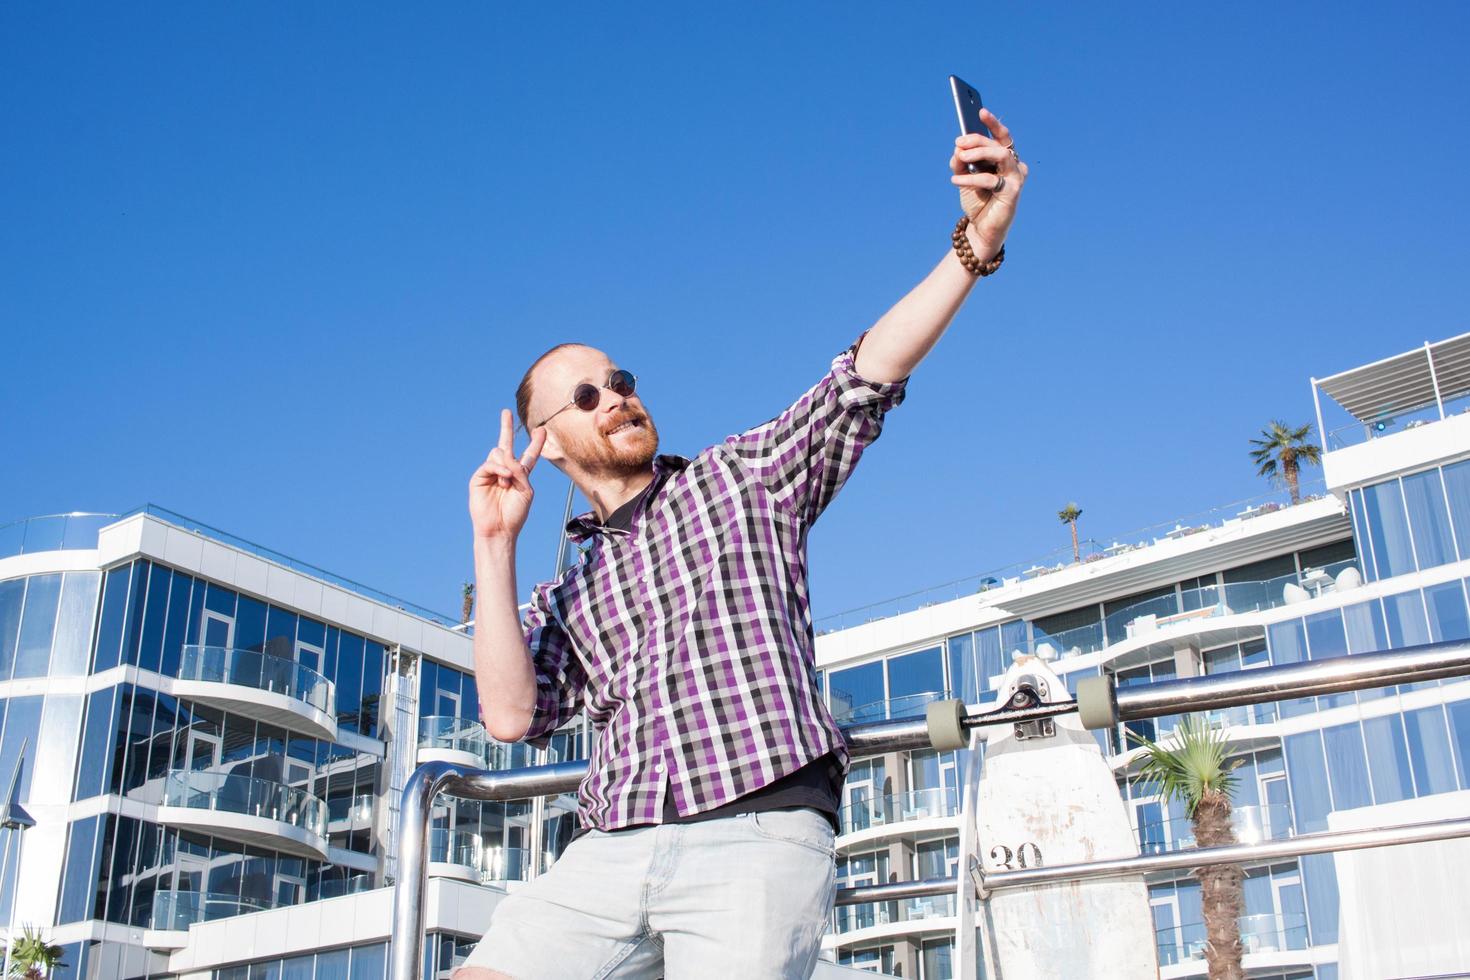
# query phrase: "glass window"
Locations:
[[369, 962], [12, 599], [54, 750], [990, 655], [250, 624], [1360, 535], [349, 680], [137, 593], [92, 765], [1288, 642], [332, 966], [1388, 529], [1460, 728], [1430, 522], [110, 624], [298, 968], [22, 721], [1347, 766], [1429, 750], [373, 659], [1307, 773], [1404, 616], [915, 674], [855, 690], [1388, 759], [38, 622], [155, 609], [1319, 877], [1447, 619], [1457, 483], [76, 881], [964, 678], [176, 627], [74, 624]]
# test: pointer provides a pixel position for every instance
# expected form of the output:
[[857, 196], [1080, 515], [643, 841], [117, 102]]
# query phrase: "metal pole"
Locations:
[[1321, 843], [1286, 681], [1211, 691]]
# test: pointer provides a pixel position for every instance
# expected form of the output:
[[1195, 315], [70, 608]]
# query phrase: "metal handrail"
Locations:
[[1280, 682]]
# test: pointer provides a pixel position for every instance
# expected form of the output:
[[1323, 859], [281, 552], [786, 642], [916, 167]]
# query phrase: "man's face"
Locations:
[[616, 438]]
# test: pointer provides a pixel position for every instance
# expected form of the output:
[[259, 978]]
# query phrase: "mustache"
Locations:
[[622, 418]]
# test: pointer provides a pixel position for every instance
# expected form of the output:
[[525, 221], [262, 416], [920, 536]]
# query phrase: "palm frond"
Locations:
[[1187, 764]]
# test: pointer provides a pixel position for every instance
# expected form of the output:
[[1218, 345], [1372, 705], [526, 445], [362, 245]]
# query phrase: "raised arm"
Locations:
[[527, 677], [904, 336]]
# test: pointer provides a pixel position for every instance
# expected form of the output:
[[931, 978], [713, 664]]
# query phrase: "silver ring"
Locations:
[[1000, 184]]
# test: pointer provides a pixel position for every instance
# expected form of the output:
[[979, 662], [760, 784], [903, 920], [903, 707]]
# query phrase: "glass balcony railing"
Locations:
[[850, 918], [1252, 825], [487, 862], [178, 910], [455, 734], [351, 812], [908, 706], [1229, 599], [245, 795], [54, 532], [917, 804], [1267, 933], [261, 671], [337, 887]]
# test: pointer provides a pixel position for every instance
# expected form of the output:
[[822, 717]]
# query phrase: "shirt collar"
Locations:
[[583, 526]]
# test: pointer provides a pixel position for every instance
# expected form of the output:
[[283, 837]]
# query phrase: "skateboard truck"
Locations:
[[1030, 693]]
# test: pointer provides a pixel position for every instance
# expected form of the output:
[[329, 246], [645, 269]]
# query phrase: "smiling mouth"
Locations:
[[630, 424]]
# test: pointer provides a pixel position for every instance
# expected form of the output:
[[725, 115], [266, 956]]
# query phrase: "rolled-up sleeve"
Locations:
[[804, 455], [560, 677]]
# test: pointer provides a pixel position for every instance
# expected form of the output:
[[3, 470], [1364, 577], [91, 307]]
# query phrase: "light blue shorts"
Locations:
[[741, 896]]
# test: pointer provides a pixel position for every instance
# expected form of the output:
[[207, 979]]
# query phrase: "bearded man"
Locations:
[[709, 808]]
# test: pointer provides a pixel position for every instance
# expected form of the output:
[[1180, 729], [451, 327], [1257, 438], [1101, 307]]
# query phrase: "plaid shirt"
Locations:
[[689, 638]]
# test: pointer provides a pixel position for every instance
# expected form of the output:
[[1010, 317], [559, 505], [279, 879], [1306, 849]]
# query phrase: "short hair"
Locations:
[[523, 391]]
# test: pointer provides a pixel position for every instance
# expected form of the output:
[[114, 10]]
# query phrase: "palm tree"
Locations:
[[1069, 515], [32, 958], [1191, 767], [1288, 448], [468, 595]]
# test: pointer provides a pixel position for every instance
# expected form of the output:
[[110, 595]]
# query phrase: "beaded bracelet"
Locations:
[[967, 254]]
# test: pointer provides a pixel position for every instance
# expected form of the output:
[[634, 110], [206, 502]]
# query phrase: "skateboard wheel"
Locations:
[[946, 724], [1095, 704]]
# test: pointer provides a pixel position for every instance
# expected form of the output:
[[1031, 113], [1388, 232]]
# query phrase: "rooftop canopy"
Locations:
[[1434, 373]]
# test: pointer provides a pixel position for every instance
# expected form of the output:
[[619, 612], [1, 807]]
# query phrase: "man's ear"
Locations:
[[552, 452]]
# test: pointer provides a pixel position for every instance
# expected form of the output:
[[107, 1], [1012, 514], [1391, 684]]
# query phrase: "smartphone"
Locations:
[[967, 106]]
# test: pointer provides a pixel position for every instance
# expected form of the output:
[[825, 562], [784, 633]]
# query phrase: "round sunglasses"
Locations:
[[588, 396]]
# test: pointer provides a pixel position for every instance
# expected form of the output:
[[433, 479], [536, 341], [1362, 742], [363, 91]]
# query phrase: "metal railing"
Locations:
[[1193, 694]]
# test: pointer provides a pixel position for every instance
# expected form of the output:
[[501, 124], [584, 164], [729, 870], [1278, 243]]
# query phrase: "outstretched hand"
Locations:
[[500, 490], [988, 198]]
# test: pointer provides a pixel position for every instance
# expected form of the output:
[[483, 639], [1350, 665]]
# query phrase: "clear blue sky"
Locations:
[[277, 266]]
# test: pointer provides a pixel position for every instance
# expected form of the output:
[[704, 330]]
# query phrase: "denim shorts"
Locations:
[[747, 895]]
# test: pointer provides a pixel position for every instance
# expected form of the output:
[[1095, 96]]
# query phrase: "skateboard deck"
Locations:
[[1044, 799]]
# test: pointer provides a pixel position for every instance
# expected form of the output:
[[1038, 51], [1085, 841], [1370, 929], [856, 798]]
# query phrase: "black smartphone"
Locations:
[[967, 106]]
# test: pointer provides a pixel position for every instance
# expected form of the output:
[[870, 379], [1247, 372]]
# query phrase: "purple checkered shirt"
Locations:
[[690, 637]]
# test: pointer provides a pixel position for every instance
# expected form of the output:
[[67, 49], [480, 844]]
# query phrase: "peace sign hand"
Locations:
[[988, 198], [500, 490]]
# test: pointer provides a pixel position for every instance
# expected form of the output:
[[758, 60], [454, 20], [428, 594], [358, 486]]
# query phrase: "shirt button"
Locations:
[[659, 768]]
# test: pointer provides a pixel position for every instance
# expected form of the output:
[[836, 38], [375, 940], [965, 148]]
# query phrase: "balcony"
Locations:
[[908, 706], [898, 810], [918, 914], [55, 532], [348, 813], [272, 689], [247, 810], [446, 738], [176, 911], [464, 855], [1252, 825], [1260, 935]]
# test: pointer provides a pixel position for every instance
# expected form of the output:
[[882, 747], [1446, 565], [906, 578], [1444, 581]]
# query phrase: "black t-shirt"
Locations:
[[817, 784]]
